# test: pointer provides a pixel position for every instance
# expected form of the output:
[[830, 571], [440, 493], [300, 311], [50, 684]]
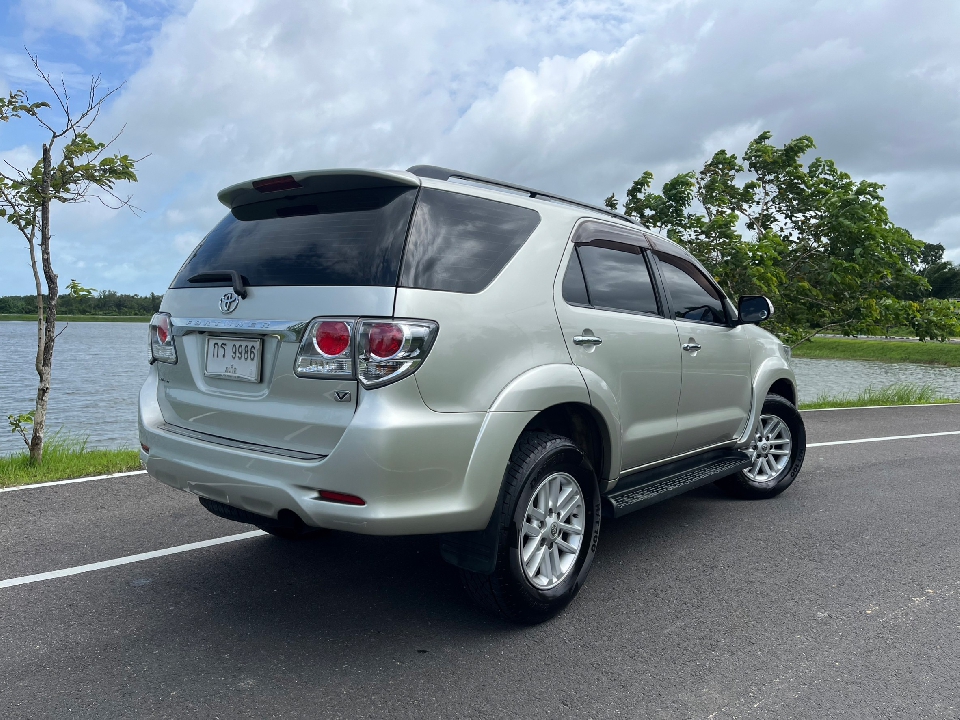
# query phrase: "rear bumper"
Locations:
[[419, 471]]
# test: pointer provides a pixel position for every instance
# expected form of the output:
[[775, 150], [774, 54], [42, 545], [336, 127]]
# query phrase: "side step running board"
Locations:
[[651, 486]]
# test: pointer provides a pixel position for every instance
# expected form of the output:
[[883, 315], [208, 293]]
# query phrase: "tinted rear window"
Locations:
[[459, 242], [350, 237]]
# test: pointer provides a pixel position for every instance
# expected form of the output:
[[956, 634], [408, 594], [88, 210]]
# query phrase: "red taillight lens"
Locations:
[[386, 339], [276, 184], [333, 338], [331, 496], [163, 329]]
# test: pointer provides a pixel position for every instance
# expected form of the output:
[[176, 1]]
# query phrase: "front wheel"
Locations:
[[549, 526], [776, 452]]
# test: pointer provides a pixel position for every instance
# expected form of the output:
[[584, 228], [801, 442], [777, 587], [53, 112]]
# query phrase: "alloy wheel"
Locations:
[[552, 532], [769, 451]]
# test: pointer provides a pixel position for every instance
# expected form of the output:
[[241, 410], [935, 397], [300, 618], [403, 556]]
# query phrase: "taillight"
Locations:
[[375, 352], [389, 351], [162, 348], [385, 340], [326, 350], [333, 337]]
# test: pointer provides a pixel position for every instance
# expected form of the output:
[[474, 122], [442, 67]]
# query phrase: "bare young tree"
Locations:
[[84, 170]]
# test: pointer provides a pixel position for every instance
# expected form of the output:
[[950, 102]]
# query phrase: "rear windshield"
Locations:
[[460, 243], [349, 237]]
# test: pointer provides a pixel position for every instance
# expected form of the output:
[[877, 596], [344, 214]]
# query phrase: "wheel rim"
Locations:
[[769, 451], [552, 532]]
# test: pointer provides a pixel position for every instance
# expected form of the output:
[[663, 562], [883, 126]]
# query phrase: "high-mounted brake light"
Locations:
[[276, 184], [162, 347]]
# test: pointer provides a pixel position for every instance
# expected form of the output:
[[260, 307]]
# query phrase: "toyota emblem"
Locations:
[[229, 302]]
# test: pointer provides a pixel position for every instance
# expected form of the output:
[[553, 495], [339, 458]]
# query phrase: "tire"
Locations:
[[781, 428], [540, 462]]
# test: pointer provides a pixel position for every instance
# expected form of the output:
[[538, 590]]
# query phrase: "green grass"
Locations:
[[65, 457], [82, 318], [928, 353], [896, 394]]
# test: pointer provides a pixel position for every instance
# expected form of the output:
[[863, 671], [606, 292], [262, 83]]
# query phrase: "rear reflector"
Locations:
[[276, 184], [331, 496], [144, 448]]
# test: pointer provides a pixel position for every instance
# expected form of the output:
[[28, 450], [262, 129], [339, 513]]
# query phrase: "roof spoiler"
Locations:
[[312, 181]]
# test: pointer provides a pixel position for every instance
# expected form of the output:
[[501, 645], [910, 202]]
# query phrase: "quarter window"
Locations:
[[574, 288], [693, 296], [460, 243], [617, 279]]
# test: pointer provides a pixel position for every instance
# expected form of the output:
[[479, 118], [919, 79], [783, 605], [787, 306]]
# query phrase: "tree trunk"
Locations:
[[47, 321]]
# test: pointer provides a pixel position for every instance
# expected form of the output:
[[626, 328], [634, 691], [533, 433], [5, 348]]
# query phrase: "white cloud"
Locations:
[[86, 19], [183, 243], [575, 97]]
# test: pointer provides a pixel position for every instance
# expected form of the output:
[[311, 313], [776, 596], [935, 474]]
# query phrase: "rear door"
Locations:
[[717, 387], [612, 321], [298, 255]]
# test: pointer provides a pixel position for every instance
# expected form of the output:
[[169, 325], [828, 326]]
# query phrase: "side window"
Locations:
[[460, 243], [693, 296], [617, 280]]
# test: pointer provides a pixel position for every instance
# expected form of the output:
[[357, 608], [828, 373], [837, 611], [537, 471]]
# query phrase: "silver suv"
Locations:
[[434, 352]]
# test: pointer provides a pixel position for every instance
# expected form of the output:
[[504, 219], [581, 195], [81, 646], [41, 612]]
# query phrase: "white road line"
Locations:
[[74, 480], [882, 439], [883, 407], [26, 579]]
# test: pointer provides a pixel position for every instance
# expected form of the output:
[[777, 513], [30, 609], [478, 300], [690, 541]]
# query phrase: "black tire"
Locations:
[[741, 485], [508, 592]]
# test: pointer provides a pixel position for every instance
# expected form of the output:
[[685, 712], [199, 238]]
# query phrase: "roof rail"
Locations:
[[442, 173]]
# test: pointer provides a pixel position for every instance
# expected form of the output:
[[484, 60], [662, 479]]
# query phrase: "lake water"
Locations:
[[99, 367]]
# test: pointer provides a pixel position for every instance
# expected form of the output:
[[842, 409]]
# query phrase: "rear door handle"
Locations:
[[586, 340], [691, 347]]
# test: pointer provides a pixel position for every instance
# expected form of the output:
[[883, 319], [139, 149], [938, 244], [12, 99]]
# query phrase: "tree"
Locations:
[[943, 275], [819, 243], [83, 170]]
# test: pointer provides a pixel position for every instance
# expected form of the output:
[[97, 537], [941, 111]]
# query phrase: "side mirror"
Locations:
[[754, 309]]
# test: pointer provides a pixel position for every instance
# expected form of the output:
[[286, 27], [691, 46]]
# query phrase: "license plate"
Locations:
[[233, 359]]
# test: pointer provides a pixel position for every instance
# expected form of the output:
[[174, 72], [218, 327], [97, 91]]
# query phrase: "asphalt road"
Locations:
[[838, 599]]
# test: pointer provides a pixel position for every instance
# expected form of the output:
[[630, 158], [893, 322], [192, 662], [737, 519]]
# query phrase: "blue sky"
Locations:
[[578, 97]]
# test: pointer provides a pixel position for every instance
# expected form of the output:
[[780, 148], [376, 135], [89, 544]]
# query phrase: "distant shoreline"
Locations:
[[80, 318]]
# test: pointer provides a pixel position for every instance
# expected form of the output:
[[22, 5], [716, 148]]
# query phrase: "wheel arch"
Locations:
[[785, 389], [773, 375], [585, 426]]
